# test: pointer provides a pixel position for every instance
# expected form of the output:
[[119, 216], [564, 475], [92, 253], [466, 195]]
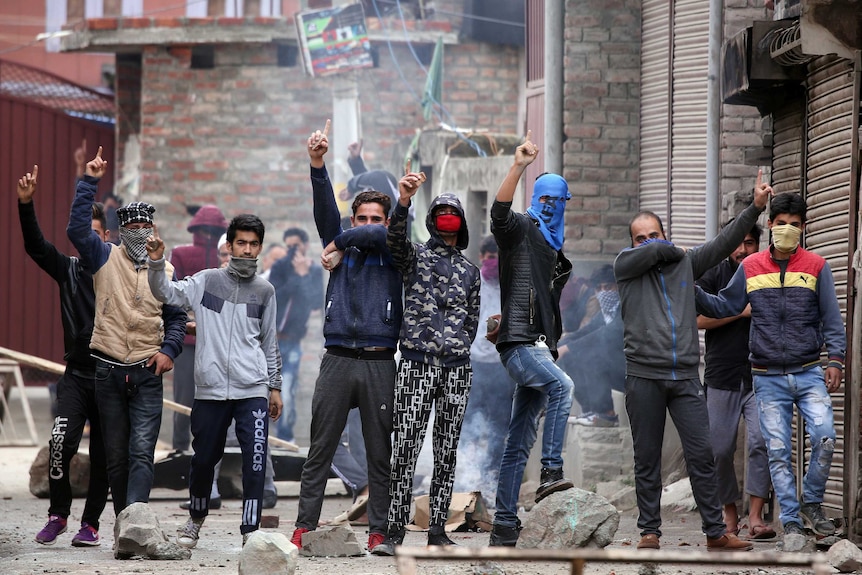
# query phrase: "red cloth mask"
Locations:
[[448, 223]]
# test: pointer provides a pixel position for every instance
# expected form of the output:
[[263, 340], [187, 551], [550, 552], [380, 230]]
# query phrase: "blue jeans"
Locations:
[[776, 395], [539, 384], [129, 398], [291, 354]]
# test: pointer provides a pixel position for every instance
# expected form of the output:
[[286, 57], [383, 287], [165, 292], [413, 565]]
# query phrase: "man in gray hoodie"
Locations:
[[656, 285], [237, 366]]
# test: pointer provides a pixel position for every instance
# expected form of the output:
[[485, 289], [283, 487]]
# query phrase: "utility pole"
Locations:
[[555, 16]]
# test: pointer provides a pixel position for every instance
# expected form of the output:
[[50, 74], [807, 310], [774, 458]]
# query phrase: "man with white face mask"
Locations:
[[129, 368], [794, 311]]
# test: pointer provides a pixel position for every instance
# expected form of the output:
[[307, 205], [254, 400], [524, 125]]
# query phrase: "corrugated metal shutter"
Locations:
[[829, 152], [655, 107], [686, 225], [788, 137]]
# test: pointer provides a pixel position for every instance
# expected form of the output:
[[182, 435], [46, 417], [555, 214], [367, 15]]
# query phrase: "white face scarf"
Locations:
[[135, 241]]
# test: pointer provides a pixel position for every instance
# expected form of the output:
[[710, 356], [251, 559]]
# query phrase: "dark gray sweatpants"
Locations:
[[647, 403], [342, 384]]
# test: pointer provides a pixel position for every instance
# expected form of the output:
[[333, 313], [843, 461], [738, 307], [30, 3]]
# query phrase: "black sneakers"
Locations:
[[813, 518], [437, 536], [387, 546], [552, 480], [502, 536]]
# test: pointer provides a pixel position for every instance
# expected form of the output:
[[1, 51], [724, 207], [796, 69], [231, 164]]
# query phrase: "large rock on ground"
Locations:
[[571, 518], [268, 554], [137, 532], [340, 541], [79, 474], [845, 556]]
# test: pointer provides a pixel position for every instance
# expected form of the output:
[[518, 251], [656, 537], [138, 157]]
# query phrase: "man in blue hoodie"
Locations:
[[237, 367], [362, 318], [656, 285]]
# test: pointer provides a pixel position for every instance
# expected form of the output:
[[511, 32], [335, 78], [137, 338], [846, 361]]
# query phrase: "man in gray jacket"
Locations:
[[237, 366], [656, 285]]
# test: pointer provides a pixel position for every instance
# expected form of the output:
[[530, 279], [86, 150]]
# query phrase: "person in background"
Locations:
[[486, 420], [601, 340], [76, 394], [298, 283], [206, 226], [273, 253]]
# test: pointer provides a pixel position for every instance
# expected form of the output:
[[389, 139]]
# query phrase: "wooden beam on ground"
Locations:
[[407, 557]]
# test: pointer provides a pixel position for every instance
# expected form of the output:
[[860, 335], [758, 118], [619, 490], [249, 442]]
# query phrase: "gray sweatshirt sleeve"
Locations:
[[269, 344], [179, 294], [712, 252]]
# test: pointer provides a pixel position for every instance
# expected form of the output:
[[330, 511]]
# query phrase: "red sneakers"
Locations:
[[296, 538], [374, 540]]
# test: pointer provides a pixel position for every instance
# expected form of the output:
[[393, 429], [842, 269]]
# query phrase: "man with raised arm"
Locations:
[[135, 338]]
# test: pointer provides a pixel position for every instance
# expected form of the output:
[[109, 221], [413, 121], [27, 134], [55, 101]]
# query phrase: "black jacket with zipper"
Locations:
[[532, 275]]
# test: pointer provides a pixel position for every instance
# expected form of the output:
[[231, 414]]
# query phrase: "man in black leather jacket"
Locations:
[[533, 271]]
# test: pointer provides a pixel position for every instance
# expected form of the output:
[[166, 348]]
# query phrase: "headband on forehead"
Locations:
[[136, 212]]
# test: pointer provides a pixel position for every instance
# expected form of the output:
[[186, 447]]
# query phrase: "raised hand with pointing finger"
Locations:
[[27, 186], [762, 191], [155, 245], [409, 184], [526, 152], [318, 145], [97, 167]]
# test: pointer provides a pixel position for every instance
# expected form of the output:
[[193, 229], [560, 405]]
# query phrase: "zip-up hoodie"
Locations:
[[793, 313], [656, 285], [236, 355], [363, 298], [441, 290]]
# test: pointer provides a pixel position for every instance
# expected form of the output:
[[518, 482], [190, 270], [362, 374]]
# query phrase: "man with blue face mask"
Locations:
[[794, 311], [533, 271]]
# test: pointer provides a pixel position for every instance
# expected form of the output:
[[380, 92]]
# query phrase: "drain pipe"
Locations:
[[555, 16], [713, 120]]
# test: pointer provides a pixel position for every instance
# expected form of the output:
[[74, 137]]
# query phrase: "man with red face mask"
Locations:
[[206, 226], [441, 316]]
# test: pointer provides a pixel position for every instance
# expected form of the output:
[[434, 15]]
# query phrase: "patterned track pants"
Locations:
[[418, 385]]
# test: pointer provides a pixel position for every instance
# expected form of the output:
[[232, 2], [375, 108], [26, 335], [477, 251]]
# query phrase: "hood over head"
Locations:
[[448, 199], [377, 180], [209, 216]]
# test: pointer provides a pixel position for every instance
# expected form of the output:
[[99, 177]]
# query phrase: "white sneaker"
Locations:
[[188, 534]]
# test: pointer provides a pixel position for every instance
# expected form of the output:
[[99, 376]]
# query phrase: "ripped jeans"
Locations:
[[776, 395]]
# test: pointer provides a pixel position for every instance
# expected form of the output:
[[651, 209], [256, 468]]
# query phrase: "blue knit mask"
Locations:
[[551, 213]]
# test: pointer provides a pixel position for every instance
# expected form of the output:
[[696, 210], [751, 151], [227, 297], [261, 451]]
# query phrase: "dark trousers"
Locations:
[[184, 394], [76, 403], [129, 398], [647, 402], [210, 420], [342, 384]]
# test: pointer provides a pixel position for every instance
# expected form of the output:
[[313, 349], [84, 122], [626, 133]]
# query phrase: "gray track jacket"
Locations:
[[236, 356]]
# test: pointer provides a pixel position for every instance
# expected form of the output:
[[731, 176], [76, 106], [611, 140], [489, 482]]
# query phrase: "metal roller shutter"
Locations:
[[689, 116], [655, 107], [829, 117]]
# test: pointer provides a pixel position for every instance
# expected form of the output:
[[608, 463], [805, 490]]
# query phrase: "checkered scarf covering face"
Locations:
[[136, 212]]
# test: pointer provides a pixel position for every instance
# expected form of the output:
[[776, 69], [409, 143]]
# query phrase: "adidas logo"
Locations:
[[259, 439]]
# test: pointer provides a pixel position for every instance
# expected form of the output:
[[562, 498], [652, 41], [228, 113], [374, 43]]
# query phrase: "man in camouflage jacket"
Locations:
[[441, 316]]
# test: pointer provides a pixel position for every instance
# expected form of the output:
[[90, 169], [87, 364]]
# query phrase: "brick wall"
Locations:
[[740, 125], [235, 135], [602, 123]]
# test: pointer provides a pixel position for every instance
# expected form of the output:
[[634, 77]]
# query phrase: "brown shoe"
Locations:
[[649, 541], [727, 542]]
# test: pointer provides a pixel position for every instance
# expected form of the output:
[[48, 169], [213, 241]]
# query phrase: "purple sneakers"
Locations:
[[56, 526], [86, 537]]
